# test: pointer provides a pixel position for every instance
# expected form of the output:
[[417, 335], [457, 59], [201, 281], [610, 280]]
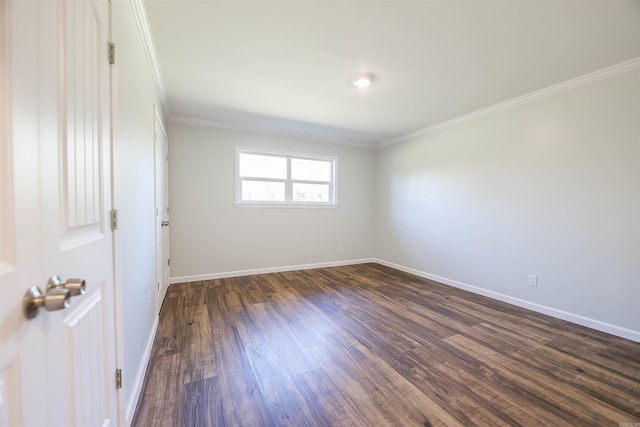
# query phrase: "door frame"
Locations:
[[118, 292]]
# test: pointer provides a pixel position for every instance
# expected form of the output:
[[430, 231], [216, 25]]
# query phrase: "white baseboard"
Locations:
[[560, 314], [212, 276], [142, 370]]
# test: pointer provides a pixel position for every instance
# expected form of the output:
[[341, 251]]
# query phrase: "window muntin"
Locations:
[[265, 178]]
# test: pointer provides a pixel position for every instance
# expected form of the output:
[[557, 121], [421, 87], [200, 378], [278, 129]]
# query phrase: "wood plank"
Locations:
[[550, 393], [195, 294], [203, 403], [198, 355], [162, 394], [242, 403], [328, 400]]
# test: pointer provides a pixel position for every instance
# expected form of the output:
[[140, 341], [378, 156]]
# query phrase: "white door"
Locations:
[[58, 368], [162, 210]]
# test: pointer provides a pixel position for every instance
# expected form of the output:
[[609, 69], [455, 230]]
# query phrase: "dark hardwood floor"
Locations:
[[367, 345]]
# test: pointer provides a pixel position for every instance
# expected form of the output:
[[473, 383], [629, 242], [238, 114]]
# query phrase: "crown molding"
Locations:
[[605, 73], [140, 13], [265, 130]]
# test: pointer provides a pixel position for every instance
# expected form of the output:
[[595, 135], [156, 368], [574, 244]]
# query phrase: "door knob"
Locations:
[[165, 223], [75, 286], [54, 299]]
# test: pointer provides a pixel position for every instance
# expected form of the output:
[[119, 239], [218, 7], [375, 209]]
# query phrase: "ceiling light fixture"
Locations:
[[363, 81]]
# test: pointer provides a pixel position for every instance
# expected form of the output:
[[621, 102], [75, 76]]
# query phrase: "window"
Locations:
[[284, 179]]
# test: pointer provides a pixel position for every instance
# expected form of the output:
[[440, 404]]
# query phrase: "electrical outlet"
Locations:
[[533, 280], [339, 248]]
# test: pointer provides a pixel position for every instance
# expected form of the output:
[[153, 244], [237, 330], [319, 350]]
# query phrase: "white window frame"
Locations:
[[288, 182]]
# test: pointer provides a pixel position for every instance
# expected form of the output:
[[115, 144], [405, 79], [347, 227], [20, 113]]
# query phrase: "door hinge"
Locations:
[[118, 379], [112, 53], [114, 219], [168, 261]]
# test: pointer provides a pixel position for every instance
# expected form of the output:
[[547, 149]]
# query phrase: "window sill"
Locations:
[[268, 205]]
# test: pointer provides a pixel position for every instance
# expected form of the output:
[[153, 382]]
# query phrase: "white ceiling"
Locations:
[[286, 65]]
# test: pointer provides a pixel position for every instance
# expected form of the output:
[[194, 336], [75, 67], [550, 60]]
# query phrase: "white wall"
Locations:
[[211, 236], [550, 188], [135, 238]]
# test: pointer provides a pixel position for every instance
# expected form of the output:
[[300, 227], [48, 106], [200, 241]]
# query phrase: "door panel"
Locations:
[[85, 334], [161, 151], [81, 137], [58, 368], [166, 265]]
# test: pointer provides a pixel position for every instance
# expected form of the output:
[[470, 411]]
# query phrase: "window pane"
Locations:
[[262, 191], [257, 166], [311, 170], [310, 192]]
